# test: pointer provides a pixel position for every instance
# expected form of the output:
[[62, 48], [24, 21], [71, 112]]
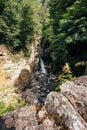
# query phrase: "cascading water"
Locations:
[[43, 69], [41, 84]]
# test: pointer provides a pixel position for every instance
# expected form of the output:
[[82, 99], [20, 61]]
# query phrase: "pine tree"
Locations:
[[10, 22]]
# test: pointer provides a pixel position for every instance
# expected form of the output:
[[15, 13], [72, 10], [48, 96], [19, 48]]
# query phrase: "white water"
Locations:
[[43, 69]]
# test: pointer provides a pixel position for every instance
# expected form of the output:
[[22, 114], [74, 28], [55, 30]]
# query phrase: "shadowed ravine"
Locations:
[[41, 85]]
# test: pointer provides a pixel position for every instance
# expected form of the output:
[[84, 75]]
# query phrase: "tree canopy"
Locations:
[[19, 22], [62, 24], [66, 30]]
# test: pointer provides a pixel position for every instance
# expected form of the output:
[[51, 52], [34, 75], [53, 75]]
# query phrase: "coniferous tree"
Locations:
[[26, 24], [67, 29], [10, 22], [19, 22]]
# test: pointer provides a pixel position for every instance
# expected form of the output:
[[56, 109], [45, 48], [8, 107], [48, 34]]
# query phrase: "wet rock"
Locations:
[[44, 88], [38, 91], [35, 101], [48, 91], [30, 96], [23, 80], [42, 94]]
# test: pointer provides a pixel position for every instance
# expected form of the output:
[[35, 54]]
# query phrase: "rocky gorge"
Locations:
[[47, 110]]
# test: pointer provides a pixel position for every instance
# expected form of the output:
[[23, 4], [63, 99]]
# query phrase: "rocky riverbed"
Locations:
[[47, 109], [64, 111], [40, 86]]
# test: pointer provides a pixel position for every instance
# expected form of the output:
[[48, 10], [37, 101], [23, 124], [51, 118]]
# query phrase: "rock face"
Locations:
[[62, 111], [23, 80], [82, 80], [20, 119], [26, 119], [69, 107], [18, 65]]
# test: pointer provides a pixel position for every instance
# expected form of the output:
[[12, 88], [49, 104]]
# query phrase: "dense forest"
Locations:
[[65, 35], [62, 24], [19, 22]]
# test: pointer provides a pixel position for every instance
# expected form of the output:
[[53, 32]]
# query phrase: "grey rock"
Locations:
[[69, 107], [20, 119], [29, 96], [26, 119], [48, 91], [82, 80], [38, 91], [49, 124], [35, 101]]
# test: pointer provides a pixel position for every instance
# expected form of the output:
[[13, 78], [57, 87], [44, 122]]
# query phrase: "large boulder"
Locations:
[[82, 80], [69, 107], [22, 119], [23, 79], [26, 119]]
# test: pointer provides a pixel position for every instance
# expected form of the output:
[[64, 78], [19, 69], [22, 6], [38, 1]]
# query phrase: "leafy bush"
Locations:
[[62, 79], [65, 76]]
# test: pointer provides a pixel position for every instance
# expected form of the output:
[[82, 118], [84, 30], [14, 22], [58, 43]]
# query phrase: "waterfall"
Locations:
[[43, 69]]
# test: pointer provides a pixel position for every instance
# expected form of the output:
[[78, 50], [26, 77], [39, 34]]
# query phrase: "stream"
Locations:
[[43, 69], [41, 85]]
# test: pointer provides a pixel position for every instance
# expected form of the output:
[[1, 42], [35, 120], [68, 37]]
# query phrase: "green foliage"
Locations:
[[22, 102], [1, 108], [62, 79], [10, 23], [66, 30], [66, 75], [18, 24], [1, 6], [4, 109], [74, 23], [9, 100], [37, 13], [26, 23]]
